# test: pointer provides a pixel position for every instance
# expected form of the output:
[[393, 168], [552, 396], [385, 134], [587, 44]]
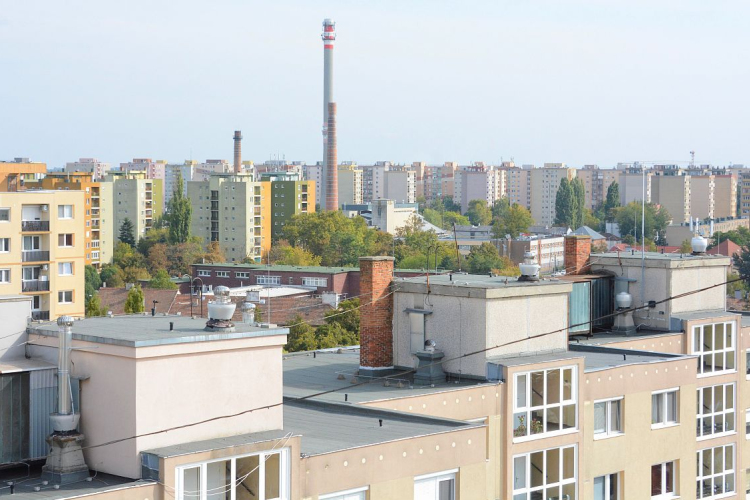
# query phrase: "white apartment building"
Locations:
[[91, 165]]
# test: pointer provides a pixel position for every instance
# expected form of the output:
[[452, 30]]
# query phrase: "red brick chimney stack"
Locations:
[[376, 314], [577, 253]]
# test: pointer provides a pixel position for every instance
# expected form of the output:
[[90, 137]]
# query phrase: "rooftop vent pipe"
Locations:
[[529, 268]]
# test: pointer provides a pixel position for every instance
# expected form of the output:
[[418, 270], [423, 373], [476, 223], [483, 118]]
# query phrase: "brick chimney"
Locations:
[[376, 315], [577, 253]]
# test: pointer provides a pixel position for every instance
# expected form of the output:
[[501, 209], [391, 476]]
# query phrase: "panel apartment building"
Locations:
[[15, 174], [135, 197], [545, 182], [42, 250], [235, 211], [98, 169], [290, 196]]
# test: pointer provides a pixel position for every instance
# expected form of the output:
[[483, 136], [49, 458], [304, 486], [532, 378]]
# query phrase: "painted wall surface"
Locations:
[[15, 311], [129, 391]]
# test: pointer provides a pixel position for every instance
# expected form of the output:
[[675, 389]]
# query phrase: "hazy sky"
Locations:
[[589, 81]]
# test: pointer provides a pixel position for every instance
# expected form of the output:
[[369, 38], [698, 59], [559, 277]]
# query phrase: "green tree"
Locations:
[[179, 212], [127, 232], [94, 306], [686, 247], [162, 281], [301, 336], [157, 258], [579, 195], [214, 254], [591, 220], [284, 254], [433, 217], [656, 217], [112, 275], [565, 205], [479, 213], [742, 263], [450, 218], [612, 201], [483, 258], [741, 236], [346, 315], [134, 301], [91, 276], [513, 221], [152, 237]]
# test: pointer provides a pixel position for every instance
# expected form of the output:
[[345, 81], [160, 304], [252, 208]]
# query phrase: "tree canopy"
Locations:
[[179, 212], [657, 218], [162, 281], [127, 232], [479, 213], [513, 221], [134, 302]]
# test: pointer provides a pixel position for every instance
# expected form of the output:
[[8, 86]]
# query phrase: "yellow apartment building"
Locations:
[[15, 174]]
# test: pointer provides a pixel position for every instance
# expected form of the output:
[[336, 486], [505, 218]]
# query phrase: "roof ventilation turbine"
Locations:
[[529, 268]]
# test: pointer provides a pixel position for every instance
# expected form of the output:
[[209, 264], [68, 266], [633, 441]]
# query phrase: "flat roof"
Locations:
[[657, 259], [481, 281], [24, 485], [708, 314], [329, 427], [306, 374], [610, 337], [147, 330], [309, 269]]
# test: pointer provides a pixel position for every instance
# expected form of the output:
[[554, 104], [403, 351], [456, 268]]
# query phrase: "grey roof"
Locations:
[[555, 230], [604, 338], [585, 230], [708, 314], [144, 331], [24, 489], [305, 374], [481, 281], [329, 427]]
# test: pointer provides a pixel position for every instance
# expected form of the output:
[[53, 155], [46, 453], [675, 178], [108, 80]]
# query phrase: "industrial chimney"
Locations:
[[237, 151], [329, 37], [65, 463], [332, 174]]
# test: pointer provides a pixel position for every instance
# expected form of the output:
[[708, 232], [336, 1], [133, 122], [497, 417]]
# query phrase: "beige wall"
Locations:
[[544, 185], [725, 196], [673, 193], [161, 387], [701, 196]]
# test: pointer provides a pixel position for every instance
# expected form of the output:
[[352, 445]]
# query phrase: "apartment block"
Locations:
[[203, 171], [725, 196], [673, 193], [480, 182], [544, 185], [435, 181], [315, 173], [399, 183], [702, 201], [633, 183], [98, 169], [135, 197], [172, 174], [98, 218], [42, 250], [350, 184], [597, 182], [15, 174], [290, 196], [518, 185], [234, 211], [154, 169]]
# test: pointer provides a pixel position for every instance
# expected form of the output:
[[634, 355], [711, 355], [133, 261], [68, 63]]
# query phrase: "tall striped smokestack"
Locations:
[[329, 37], [237, 151], [331, 171]]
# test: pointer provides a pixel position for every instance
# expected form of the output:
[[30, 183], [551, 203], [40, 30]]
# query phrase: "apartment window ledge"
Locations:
[[655, 427], [714, 374], [602, 437], [544, 435], [717, 435]]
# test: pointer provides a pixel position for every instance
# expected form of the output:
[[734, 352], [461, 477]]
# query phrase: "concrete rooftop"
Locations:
[[147, 330], [26, 480]]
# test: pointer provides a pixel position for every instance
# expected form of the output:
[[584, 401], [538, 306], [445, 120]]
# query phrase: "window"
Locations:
[[4, 214], [608, 418], [715, 413], [714, 345], [262, 279], [545, 474], [65, 240], [715, 476], [435, 486], [65, 297], [607, 487], [222, 274], [65, 211], [4, 275], [662, 480], [664, 408], [355, 494], [31, 243], [264, 475], [545, 401], [315, 281], [747, 363], [204, 272], [242, 274], [64, 268], [4, 244]]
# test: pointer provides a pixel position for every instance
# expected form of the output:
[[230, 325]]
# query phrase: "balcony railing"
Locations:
[[35, 256], [35, 225], [40, 315], [35, 286]]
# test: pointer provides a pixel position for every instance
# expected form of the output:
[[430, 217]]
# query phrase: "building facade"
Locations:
[[93, 166], [544, 185], [350, 184], [137, 198], [290, 196], [15, 174]]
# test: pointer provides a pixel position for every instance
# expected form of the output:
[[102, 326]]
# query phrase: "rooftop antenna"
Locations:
[[692, 159]]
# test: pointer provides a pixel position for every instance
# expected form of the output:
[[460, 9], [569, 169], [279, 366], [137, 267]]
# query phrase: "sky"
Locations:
[[575, 81]]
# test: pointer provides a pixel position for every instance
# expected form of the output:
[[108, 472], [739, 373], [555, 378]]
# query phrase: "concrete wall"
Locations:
[[15, 311]]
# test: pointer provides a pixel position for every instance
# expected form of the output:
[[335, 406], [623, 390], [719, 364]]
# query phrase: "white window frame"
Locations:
[[724, 476], [64, 235], [526, 491], [204, 273], [4, 245], [608, 484], [64, 301], [242, 274], [726, 353], [526, 412], [222, 274], [437, 477], [353, 494], [284, 484], [64, 212], [262, 279], [61, 269], [4, 276], [608, 424], [664, 399], [317, 282], [5, 209], [673, 493], [712, 415]]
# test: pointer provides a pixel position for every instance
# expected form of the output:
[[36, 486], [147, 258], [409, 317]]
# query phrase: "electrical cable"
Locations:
[[405, 372]]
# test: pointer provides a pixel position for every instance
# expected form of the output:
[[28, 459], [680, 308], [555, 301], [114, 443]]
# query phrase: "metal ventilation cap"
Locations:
[[65, 321]]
